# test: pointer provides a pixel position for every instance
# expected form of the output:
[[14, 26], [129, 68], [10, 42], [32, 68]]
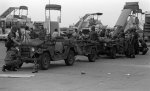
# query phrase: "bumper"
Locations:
[[3, 37], [27, 60]]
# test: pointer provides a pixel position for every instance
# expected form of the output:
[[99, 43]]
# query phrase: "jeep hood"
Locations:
[[33, 42]]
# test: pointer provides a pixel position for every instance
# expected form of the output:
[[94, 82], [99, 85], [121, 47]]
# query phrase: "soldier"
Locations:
[[143, 46], [42, 33], [142, 43], [102, 33], [11, 61], [129, 44], [136, 44], [75, 34], [121, 40], [19, 30], [33, 34], [55, 34], [93, 34], [3, 27]]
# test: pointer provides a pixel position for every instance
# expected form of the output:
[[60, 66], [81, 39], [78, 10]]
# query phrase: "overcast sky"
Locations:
[[73, 9]]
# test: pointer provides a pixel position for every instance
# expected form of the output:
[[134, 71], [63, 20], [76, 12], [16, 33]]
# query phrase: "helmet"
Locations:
[[93, 28], [14, 28], [134, 27], [26, 28]]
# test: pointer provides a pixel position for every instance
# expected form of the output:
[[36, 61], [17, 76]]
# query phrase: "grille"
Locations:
[[25, 51]]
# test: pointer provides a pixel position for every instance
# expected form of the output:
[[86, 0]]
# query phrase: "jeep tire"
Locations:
[[44, 61], [70, 58], [144, 51], [92, 56], [113, 52], [20, 65]]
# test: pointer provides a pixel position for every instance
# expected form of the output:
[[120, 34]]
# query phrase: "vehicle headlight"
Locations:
[[17, 48], [105, 44], [32, 49]]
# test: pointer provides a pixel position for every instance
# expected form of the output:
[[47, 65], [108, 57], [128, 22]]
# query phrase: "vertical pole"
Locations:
[[59, 21], [19, 12], [14, 11], [27, 12], [144, 26], [60, 16], [49, 21]]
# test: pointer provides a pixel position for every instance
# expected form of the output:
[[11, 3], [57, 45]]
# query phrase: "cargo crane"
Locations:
[[147, 26], [88, 20], [121, 42], [85, 23], [128, 18], [13, 16]]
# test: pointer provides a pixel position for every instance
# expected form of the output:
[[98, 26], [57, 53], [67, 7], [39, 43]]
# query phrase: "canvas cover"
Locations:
[[52, 7], [132, 5], [23, 7]]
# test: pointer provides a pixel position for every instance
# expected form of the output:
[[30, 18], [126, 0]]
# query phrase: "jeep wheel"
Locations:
[[126, 54], [70, 59], [20, 65], [132, 56], [44, 61], [92, 56], [113, 52], [144, 51]]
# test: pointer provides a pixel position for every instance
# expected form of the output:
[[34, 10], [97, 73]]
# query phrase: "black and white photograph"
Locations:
[[74, 45]]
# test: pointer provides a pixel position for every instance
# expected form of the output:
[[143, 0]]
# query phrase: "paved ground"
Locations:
[[121, 74]]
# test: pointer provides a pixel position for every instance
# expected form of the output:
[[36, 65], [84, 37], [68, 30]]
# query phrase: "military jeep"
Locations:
[[43, 52], [87, 48], [107, 47]]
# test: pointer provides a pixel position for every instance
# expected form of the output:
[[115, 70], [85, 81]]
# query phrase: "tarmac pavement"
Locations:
[[120, 74], [148, 44]]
